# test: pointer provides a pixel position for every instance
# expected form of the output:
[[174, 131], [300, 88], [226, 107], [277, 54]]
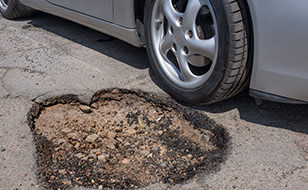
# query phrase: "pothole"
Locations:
[[124, 140]]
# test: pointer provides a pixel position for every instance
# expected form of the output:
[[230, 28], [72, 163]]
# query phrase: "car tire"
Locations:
[[13, 9], [228, 35]]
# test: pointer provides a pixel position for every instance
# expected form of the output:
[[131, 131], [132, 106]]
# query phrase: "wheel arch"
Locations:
[[139, 6], [251, 34], [139, 18]]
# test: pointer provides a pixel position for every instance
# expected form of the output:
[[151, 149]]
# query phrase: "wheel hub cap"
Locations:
[[177, 33]]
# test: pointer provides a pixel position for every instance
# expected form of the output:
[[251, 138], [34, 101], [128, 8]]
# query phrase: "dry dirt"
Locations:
[[123, 140]]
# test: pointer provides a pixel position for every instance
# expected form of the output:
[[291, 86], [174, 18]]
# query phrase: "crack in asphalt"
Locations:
[[21, 68]]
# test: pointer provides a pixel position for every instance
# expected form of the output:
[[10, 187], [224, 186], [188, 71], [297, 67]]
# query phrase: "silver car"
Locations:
[[202, 51]]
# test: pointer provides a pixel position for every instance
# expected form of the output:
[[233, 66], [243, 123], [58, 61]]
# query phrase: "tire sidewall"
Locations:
[[205, 92]]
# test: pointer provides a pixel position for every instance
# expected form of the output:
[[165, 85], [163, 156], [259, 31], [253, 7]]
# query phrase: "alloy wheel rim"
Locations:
[[4, 4], [176, 34]]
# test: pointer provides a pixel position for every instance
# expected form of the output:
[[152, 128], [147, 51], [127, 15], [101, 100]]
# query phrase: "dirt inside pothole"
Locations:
[[124, 139]]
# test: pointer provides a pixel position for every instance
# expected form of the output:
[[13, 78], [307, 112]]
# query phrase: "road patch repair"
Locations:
[[123, 139]]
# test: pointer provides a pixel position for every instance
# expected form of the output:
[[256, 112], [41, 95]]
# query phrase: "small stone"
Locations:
[[111, 135], [120, 140], [142, 147], [115, 91], [77, 145], [95, 151], [111, 146], [100, 187], [160, 132], [145, 152], [85, 109], [103, 134], [87, 129], [131, 131], [118, 129], [125, 161], [91, 138], [189, 156], [95, 106], [63, 172], [103, 157], [163, 165], [80, 155], [67, 182], [61, 141], [85, 158], [66, 130], [194, 161], [92, 124], [68, 146], [160, 112], [72, 135]]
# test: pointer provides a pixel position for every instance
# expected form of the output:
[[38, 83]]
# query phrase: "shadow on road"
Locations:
[[117, 49], [272, 114], [289, 117]]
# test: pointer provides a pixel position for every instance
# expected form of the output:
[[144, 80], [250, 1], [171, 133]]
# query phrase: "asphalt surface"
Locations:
[[44, 56]]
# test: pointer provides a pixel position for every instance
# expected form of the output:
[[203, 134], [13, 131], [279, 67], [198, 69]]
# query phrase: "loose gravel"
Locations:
[[123, 139]]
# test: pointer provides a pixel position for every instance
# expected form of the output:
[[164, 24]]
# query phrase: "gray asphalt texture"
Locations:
[[44, 56]]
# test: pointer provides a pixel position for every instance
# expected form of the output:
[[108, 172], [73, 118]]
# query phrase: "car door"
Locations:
[[102, 9]]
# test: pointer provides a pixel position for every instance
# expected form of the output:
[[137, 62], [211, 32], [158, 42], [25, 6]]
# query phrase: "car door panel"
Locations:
[[124, 14], [102, 9]]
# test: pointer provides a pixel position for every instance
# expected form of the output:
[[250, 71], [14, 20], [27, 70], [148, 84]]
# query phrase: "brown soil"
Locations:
[[123, 140]]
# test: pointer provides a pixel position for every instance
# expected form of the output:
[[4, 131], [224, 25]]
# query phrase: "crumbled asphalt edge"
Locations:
[[211, 163]]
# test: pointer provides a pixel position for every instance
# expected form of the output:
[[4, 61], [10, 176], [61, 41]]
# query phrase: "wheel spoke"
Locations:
[[166, 43], [171, 14], [184, 67], [203, 47], [192, 10]]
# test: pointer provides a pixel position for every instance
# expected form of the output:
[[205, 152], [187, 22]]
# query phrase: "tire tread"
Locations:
[[237, 69]]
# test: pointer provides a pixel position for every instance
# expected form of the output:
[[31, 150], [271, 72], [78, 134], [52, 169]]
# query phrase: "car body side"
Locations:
[[280, 55]]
